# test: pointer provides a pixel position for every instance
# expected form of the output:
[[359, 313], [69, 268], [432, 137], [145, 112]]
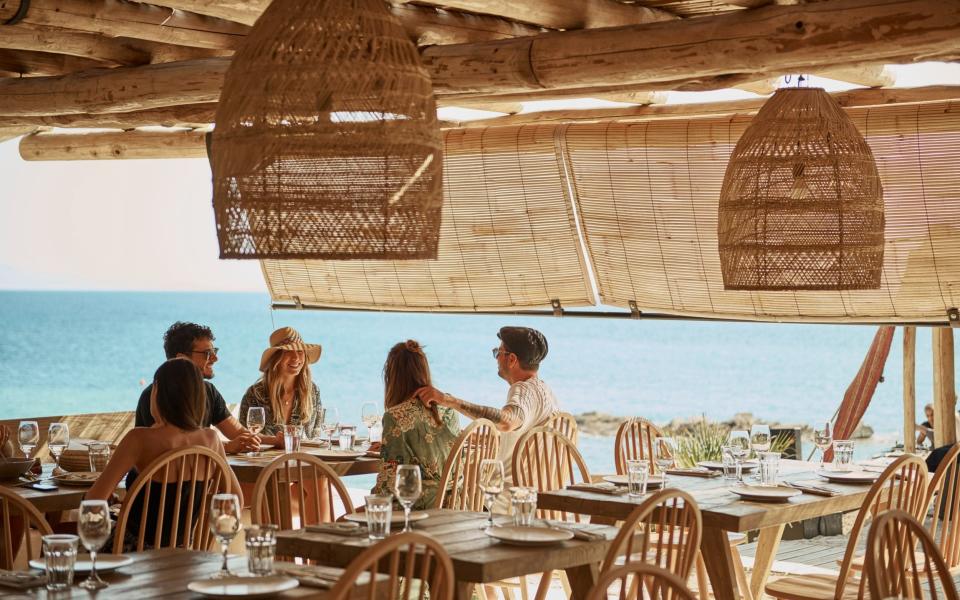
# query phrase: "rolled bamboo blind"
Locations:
[[507, 239]]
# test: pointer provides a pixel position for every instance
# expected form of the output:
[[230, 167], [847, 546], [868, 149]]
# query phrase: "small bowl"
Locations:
[[12, 468]]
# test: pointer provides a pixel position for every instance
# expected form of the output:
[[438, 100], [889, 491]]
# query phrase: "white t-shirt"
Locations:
[[536, 404]]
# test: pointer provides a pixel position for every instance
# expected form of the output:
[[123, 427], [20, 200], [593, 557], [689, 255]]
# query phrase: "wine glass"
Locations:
[[58, 438], [664, 449], [822, 438], [407, 489], [490, 479], [93, 526], [224, 524], [759, 441], [330, 423], [371, 416], [256, 419], [739, 441], [28, 436]]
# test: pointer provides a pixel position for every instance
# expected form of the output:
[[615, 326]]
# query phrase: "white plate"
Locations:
[[760, 493], [716, 465], [333, 455], [105, 562], [396, 516], [653, 481], [244, 587], [529, 536], [77, 478], [849, 476]]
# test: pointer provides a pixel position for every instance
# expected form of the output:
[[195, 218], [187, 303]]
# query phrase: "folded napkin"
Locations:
[[579, 533], [694, 472], [348, 529], [816, 490], [21, 580], [599, 488], [309, 576]]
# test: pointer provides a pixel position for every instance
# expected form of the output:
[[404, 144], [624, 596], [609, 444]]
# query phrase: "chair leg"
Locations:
[[565, 583], [524, 588], [544, 586], [703, 589], [741, 574]]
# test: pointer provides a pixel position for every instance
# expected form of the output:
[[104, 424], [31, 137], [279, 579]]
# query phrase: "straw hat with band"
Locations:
[[287, 338]]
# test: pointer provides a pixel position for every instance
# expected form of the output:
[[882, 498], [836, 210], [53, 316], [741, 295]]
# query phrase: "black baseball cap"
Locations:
[[528, 344]]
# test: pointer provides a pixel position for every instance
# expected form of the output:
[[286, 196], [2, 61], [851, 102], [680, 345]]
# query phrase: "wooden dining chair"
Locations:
[[19, 521], [547, 460], [459, 487], [894, 567], [566, 424], [634, 441], [901, 486], [177, 501], [296, 490], [416, 565], [943, 498], [639, 581]]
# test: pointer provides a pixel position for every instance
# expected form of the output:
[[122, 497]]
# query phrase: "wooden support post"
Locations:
[[909, 389], [944, 392]]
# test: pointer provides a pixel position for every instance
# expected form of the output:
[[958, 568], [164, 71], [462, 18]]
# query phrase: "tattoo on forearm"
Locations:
[[477, 411]]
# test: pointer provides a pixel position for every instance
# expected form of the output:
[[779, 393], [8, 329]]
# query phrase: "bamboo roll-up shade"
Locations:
[[507, 239], [648, 195]]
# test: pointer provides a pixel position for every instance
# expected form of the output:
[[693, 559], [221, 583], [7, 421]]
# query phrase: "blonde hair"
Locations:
[[303, 389]]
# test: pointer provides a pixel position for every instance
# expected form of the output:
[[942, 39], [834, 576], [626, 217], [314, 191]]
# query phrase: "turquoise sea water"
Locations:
[[76, 352]]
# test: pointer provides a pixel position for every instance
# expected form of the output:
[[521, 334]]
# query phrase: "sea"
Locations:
[[81, 352]]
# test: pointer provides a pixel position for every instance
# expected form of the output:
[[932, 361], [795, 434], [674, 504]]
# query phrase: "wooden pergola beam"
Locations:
[[9, 133], [33, 64], [114, 145], [560, 14], [876, 75], [187, 115], [110, 51]]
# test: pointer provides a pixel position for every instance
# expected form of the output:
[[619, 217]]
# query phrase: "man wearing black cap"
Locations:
[[530, 402]]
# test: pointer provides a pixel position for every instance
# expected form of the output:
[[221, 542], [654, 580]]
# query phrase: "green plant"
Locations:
[[703, 440]]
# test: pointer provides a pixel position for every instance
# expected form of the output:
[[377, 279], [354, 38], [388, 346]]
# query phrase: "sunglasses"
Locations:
[[498, 351], [208, 353]]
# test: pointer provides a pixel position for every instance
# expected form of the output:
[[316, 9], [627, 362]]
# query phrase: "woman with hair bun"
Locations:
[[412, 433]]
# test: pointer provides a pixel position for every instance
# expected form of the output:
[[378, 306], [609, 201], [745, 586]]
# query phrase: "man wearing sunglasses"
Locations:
[[530, 401], [195, 342]]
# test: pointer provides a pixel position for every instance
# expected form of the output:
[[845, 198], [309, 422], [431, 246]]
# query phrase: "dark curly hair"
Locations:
[[180, 337]]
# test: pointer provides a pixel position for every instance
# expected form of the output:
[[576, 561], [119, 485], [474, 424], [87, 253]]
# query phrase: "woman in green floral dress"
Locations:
[[412, 433]]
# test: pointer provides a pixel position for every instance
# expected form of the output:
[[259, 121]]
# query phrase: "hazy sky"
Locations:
[[148, 224]]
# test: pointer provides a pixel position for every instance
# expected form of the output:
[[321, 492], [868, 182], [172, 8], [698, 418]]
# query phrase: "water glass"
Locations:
[[638, 472], [291, 437], [843, 455], [379, 513], [93, 525], [99, 456], [731, 466], [60, 554], [769, 464], [261, 542], [348, 434], [524, 502], [376, 434]]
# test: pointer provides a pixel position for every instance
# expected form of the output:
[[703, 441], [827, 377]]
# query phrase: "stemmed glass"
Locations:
[[28, 436], [664, 449], [93, 526], [371, 416], [739, 441], [256, 419], [330, 423], [224, 524], [407, 489], [822, 438], [58, 438], [759, 441], [490, 479]]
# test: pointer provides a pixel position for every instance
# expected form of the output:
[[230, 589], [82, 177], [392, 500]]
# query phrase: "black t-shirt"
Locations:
[[216, 407]]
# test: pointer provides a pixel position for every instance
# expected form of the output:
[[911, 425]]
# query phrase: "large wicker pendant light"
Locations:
[[326, 142], [801, 206]]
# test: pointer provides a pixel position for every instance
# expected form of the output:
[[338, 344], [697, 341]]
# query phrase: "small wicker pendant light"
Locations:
[[326, 142], [801, 206]]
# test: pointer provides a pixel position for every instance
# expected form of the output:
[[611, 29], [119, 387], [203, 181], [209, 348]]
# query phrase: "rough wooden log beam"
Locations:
[[9, 133], [34, 64], [118, 18], [110, 51], [560, 14], [762, 86], [763, 42], [865, 75], [188, 115], [114, 145]]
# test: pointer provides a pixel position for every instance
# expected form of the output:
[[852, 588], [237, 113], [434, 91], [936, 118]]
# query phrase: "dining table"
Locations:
[[723, 511], [247, 468]]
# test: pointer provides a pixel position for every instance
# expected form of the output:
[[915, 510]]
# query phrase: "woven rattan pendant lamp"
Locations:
[[326, 142], [801, 207]]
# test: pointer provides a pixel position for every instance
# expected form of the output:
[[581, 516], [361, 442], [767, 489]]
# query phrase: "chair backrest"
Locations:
[[901, 486], [893, 566], [458, 483], [547, 460], [406, 558], [179, 513], [566, 424], [296, 490], [639, 581], [664, 530], [634, 440], [944, 496], [17, 519]]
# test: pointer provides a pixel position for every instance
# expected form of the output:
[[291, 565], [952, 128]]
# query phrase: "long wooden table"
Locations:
[[247, 468], [167, 573], [724, 512], [477, 558]]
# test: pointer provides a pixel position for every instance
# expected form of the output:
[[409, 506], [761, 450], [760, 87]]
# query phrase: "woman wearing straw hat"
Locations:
[[285, 390]]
